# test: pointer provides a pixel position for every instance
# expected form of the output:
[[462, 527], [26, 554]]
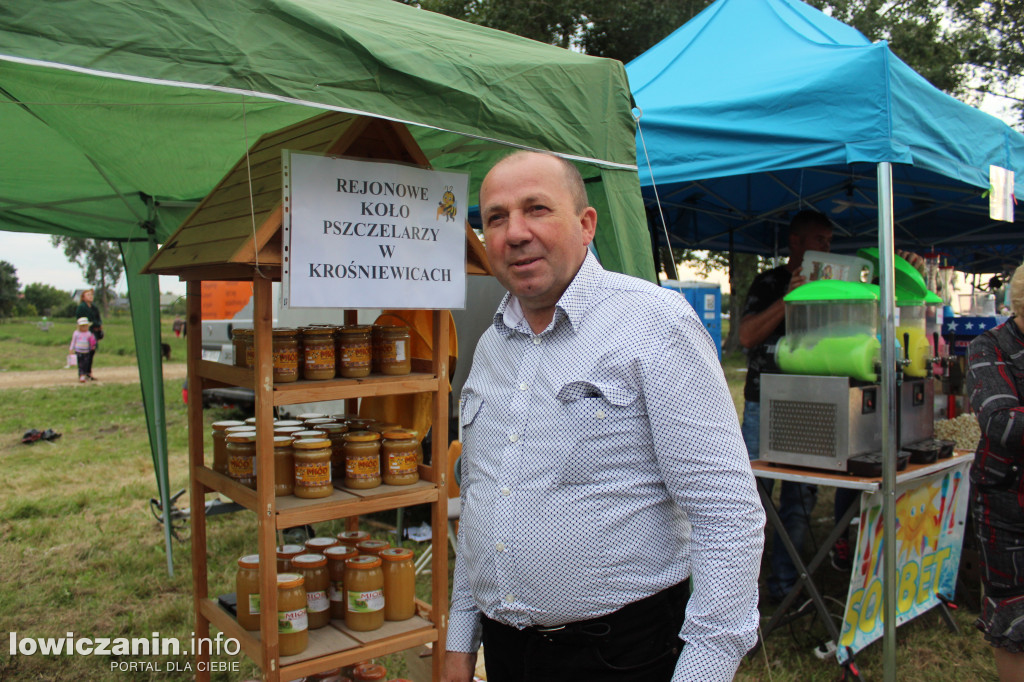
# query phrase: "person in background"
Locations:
[[995, 385], [83, 343], [762, 324], [87, 309], [610, 526]]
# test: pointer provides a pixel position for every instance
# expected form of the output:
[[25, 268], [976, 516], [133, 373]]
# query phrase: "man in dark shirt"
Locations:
[[763, 323]]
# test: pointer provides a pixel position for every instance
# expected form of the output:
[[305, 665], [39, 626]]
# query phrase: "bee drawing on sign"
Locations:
[[446, 206]]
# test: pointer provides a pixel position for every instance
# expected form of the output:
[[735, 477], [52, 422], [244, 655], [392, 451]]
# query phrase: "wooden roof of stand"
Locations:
[[236, 230]]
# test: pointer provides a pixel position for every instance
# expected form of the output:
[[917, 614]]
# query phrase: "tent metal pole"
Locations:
[[887, 329]]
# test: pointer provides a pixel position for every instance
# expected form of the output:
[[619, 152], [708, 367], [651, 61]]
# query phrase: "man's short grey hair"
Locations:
[[573, 180]]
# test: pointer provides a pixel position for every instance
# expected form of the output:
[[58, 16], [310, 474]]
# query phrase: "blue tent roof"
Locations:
[[756, 108]]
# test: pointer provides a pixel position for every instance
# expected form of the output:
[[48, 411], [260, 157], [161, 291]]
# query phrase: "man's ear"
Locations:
[[588, 220]]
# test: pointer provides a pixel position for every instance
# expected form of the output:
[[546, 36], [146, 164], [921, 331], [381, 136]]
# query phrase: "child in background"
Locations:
[[83, 343]]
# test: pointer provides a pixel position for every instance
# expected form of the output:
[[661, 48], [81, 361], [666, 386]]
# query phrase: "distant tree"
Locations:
[[8, 289], [48, 299], [100, 262]]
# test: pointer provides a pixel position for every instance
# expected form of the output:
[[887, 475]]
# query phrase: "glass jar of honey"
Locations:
[[399, 583], [284, 466], [358, 423], [335, 431], [313, 567], [247, 592], [364, 592], [400, 454], [351, 538], [369, 672], [220, 452], [286, 355], [372, 547], [336, 558], [395, 350], [353, 346], [284, 557], [362, 460], [292, 620], [312, 468], [318, 353], [239, 344], [241, 448]]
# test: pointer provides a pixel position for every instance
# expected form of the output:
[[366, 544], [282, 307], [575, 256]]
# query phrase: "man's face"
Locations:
[[813, 238], [535, 240]]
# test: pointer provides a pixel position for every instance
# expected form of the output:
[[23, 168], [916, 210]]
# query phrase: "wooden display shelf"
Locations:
[[297, 392], [294, 511]]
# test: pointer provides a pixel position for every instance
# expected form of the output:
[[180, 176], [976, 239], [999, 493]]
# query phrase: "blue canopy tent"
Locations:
[[757, 108], [754, 109]]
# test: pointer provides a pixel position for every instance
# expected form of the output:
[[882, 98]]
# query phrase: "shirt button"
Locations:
[[599, 414], [536, 340], [513, 437], [509, 598], [506, 491], [523, 386], [500, 547]]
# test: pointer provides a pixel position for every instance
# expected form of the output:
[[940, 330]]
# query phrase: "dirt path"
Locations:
[[69, 377]]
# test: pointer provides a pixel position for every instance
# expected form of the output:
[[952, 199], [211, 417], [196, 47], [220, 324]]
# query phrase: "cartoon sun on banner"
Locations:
[[930, 513]]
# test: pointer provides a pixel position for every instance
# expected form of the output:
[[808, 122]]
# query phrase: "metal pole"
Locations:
[[887, 330]]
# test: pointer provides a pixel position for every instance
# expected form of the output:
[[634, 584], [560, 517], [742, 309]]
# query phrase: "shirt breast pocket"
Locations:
[[598, 424], [470, 407]]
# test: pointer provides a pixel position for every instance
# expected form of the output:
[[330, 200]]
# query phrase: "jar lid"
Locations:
[[286, 422], [240, 427], [356, 535], [289, 580], [318, 331], [287, 430], [307, 433], [347, 417], [400, 434], [288, 551], [334, 428], [315, 421], [396, 554], [309, 415], [282, 441], [241, 437], [221, 425], [340, 552], [354, 329], [373, 546], [361, 436], [309, 560], [381, 427], [242, 331], [363, 561], [321, 543], [311, 444], [285, 331], [370, 671], [249, 561]]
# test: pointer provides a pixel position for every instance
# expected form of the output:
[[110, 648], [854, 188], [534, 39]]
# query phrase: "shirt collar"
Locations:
[[572, 305]]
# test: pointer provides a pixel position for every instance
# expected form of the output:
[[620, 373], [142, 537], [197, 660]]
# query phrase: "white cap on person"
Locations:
[[83, 320]]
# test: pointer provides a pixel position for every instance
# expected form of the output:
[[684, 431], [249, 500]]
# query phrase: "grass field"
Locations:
[[81, 552]]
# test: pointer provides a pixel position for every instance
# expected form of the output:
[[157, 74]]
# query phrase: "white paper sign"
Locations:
[[365, 234], [1000, 199]]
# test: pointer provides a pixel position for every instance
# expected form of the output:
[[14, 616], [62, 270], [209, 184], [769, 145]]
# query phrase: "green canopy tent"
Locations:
[[115, 118]]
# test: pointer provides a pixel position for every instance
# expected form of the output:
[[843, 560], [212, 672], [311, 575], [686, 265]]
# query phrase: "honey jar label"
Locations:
[[402, 463], [288, 357], [393, 351], [312, 475], [337, 590], [355, 356], [367, 466], [320, 358], [254, 604], [317, 601], [289, 622], [365, 602], [240, 466]]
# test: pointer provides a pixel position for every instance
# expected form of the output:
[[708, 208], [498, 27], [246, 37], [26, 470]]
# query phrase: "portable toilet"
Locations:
[[706, 300]]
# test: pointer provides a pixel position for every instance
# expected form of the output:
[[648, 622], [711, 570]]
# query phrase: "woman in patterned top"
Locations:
[[995, 382]]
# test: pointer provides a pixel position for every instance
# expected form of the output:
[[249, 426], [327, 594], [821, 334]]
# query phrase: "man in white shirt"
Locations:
[[604, 475]]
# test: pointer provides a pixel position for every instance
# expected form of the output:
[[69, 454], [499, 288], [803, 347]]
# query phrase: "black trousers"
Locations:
[[638, 643], [84, 361]]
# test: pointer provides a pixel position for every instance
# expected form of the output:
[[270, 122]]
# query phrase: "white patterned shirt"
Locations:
[[602, 463]]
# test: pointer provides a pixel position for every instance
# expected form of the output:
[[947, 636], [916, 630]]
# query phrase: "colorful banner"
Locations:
[[930, 513]]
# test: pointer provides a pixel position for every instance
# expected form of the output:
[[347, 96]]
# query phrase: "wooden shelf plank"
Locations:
[[400, 639], [339, 389], [229, 375], [226, 623], [293, 511]]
